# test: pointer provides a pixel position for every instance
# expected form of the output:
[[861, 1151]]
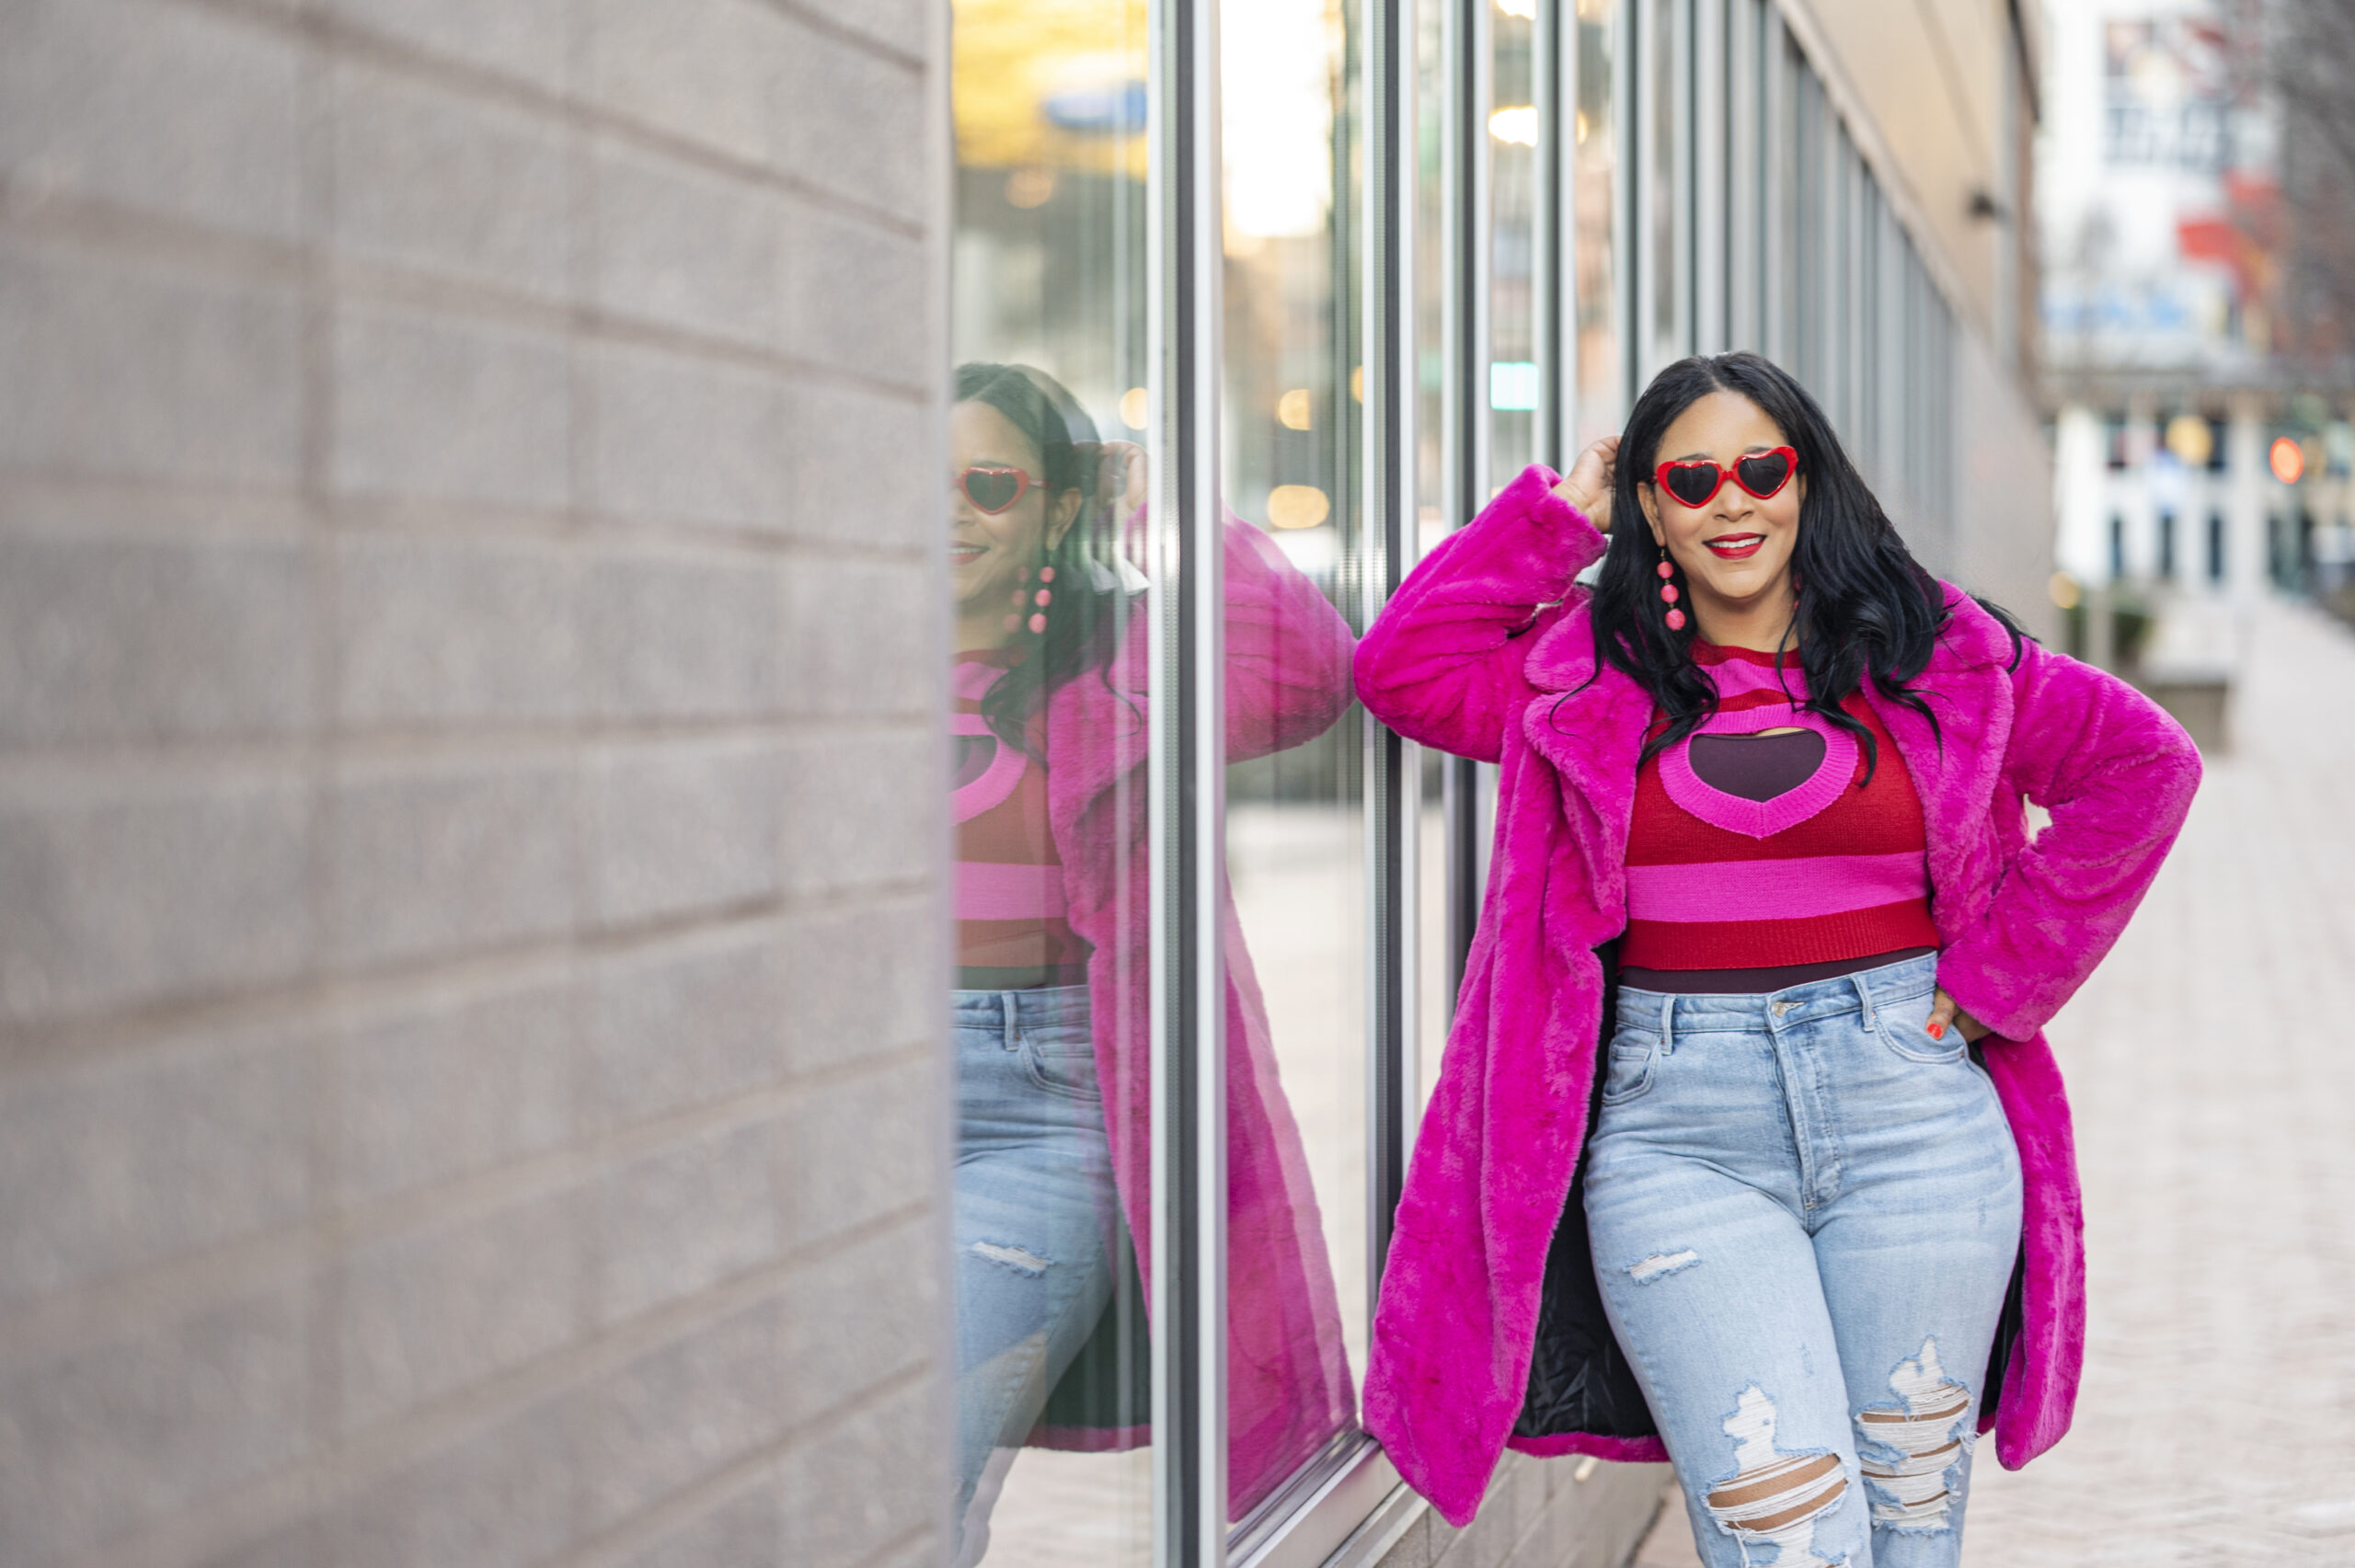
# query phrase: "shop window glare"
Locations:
[[1298, 506], [1293, 409], [1315, 551], [1133, 408], [1525, 10], [1516, 124], [1512, 384]]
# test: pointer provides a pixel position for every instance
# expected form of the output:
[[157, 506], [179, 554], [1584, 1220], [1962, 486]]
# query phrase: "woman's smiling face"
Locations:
[[993, 557], [1733, 549]]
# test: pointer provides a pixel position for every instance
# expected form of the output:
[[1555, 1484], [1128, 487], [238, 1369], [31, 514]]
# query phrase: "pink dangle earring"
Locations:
[[1044, 597], [1668, 594]]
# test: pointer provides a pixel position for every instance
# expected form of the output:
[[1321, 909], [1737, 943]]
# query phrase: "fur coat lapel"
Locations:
[[1590, 724]]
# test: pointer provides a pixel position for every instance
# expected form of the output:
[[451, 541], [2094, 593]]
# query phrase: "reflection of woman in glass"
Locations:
[[1052, 1006], [1758, 1197]]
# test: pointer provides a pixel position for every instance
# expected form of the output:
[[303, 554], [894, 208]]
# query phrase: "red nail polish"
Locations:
[[1937, 1030]]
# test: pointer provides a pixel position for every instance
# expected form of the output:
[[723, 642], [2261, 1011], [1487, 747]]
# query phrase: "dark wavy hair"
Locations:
[[1864, 605], [1088, 605]]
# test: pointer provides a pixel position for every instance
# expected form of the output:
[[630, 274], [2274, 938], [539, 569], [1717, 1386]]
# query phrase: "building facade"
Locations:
[[476, 907], [2202, 456]]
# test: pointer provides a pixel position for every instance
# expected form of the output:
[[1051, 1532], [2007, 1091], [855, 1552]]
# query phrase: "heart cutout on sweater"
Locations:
[[1761, 818]]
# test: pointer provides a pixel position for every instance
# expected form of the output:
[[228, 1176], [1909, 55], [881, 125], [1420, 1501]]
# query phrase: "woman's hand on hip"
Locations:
[[1945, 1013], [1589, 483]]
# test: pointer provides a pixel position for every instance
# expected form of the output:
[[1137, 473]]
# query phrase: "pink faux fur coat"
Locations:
[[1287, 681], [1464, 660]]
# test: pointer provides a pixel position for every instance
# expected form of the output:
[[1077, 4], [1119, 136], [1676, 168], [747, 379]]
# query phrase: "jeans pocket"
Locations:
[[1061, 1061], [1901, 1030], [1630, 1067]]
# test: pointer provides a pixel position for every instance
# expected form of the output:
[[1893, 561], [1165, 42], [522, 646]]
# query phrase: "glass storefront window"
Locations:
[[1295, 949], [1047, 789], [1598, 237], [1363, 405]]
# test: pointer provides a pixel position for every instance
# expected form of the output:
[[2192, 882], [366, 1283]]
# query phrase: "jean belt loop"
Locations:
[[1865, 997], [1008, 1001], [1668, 1025]]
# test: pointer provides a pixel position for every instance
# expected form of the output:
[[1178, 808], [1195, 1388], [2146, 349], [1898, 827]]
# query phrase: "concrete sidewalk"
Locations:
[[2211, 1065]]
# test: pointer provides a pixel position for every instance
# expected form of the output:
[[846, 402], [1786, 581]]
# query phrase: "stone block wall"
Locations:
[[1558, 1513], [468, 811]]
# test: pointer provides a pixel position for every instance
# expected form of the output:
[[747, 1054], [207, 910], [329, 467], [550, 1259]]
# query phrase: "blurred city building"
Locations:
[[2194, 224]]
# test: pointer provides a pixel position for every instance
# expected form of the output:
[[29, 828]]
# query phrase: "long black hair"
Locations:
[[1863, 603], [1087, 601]]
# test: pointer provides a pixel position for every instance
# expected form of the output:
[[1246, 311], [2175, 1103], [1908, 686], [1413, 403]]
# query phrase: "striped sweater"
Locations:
[[1820, 873]]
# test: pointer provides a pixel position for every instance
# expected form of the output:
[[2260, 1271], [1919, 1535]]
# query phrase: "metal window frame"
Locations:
[[1468, 225], [1711, 74], [1393, 774], [1554, 79], [1334, 1498], [1745, 143], [1186, 802]]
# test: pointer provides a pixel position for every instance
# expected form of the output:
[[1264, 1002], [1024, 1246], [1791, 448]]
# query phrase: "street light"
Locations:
[[2287, 460]]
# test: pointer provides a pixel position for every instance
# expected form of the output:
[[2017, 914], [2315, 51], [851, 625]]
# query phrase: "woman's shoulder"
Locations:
[[1976, 635]]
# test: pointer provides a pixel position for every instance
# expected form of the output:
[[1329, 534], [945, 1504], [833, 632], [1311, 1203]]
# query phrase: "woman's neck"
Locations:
[[981, 634], [1763, 625]]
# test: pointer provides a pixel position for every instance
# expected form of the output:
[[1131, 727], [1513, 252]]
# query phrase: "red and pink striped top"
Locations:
[[1820, 873], [1012, 930]]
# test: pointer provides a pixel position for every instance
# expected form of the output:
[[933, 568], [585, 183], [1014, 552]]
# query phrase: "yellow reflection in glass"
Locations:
[[1293, 410], [1133, 408], [1035, 86], [1298, 506]]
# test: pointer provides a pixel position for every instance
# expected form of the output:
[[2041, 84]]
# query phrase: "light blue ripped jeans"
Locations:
[[1804, 1212], [1037, 1215]]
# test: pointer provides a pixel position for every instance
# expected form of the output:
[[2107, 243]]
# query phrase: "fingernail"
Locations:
[[1937, 1030]]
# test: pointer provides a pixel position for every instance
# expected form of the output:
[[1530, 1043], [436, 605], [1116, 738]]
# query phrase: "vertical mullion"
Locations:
[[1553, 85], [1187, 795], [1712, 211], [1626, 241], [1643, 159], [1464, 357], [1745, 133], [1684, 180], [1775, 190], [1393, 775]]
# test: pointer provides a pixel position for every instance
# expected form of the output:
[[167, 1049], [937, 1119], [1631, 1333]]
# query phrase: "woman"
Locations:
[[1054, 907], [1771, 773]]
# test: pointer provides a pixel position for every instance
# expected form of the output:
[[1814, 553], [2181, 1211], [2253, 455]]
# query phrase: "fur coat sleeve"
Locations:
[[1444, 664], [1287, 650], [2117, 774]]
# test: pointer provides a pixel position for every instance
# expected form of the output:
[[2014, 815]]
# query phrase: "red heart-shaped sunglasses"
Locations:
[[1696, 482], [993, 487]]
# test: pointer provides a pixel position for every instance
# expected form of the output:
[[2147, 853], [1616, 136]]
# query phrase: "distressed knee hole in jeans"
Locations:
[[1018, 1259], [1915, 1489], [1774, 1497], [1662, 1264]]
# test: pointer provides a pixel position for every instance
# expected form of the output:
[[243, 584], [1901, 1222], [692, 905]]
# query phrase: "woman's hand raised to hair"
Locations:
[[1120, 477], [1588, 485]]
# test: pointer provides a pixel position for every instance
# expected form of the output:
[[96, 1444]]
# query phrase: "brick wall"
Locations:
[[467, 807]]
